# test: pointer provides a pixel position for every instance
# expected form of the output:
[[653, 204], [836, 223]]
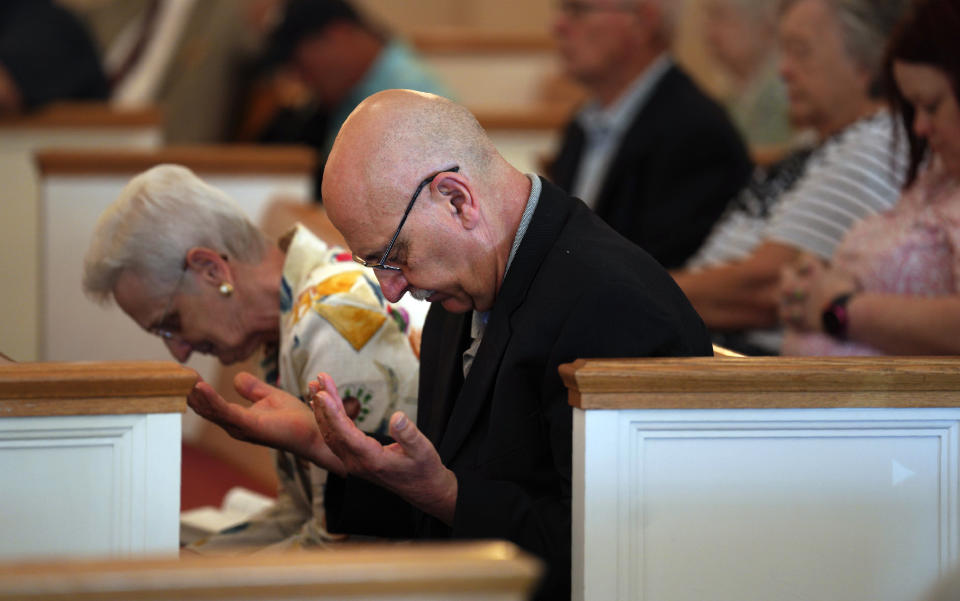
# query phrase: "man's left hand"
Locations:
[[410, 467]]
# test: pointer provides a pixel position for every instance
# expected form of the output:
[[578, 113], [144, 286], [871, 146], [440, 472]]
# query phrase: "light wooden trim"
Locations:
[[85, 115], [465, 40], [94, 388], [548, 117], [453, 571], [241, 159], [763, 382]]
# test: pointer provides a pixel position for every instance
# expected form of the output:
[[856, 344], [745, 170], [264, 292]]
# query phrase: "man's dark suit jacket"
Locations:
[[678, 164], [575, 289]]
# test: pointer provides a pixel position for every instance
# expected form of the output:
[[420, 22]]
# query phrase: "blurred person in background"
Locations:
[[831, 61], [190, 58], [742, 38], [46, 54], [893, 285], [330, 57], [649, 152], [181, 259]]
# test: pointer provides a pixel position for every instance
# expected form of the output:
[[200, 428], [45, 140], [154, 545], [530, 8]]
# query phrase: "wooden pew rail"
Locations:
[[481, 571], [763, 382], [93, 388]]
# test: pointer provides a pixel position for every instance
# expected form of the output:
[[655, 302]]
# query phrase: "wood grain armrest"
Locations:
[[470, 570], [94, 388], [763, 382]]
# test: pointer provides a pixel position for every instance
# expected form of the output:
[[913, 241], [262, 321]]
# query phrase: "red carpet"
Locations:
[[205, 479]]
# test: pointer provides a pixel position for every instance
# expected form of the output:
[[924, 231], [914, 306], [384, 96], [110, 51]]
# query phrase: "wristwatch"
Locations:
[[835, 317]]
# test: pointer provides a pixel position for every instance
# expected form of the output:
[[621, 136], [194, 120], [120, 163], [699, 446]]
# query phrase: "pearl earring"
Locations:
[[226, 289]]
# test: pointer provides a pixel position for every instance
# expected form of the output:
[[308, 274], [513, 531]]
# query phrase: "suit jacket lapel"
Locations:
[[442, 372], [567, 162], [552, 211], [635, 142]]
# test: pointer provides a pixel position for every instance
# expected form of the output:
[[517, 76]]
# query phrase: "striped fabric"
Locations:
[[741, 228], [856, 174]]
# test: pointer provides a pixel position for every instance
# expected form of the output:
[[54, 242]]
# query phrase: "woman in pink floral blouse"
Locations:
[[893, 286]]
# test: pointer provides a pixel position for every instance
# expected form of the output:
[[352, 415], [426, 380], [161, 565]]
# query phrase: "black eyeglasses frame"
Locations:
[[381, 264]]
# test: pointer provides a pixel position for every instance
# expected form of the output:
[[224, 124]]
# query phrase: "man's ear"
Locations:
[[209, 266], [457, 191]]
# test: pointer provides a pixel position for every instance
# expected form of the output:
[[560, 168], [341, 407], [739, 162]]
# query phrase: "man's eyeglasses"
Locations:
[[165, 326], [381, 263]]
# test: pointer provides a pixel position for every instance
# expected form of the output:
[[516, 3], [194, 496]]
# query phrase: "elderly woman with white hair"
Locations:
[[183, 261]]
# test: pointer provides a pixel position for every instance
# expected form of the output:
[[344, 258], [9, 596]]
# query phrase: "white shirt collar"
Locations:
[[617, 117]]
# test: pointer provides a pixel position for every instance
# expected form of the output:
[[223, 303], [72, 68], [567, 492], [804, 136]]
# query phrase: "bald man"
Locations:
[[522, 278]]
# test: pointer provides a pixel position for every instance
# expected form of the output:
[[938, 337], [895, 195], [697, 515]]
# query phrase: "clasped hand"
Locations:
[[275, 419], [806, 287], [327, 436], [409, 467]]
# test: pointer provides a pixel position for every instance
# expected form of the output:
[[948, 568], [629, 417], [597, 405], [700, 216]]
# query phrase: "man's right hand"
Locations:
[[276, 419]]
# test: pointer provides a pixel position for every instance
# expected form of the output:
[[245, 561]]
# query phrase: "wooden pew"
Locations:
[[470, 571], [66, 125], [90, 458], [764, 478]]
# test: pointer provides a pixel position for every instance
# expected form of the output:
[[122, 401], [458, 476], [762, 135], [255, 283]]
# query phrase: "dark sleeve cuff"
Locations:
[[355, 506]]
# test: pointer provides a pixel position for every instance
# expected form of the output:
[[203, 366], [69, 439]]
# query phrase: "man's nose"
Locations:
[[393, 284], [180, 350]]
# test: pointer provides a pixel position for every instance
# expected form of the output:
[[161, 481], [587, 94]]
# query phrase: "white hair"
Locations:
[[865, 26], [159, 216]]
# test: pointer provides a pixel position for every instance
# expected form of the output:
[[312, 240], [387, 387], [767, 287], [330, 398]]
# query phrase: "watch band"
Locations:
[[836, 318]]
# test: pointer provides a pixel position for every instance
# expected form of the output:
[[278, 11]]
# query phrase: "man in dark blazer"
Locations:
[[522, 278], [649, 152]]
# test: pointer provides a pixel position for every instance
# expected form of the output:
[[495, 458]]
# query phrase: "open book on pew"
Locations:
[[239, 505]]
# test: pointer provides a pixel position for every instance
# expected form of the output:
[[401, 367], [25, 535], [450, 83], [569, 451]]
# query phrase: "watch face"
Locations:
[[834, 317], [831, 324]]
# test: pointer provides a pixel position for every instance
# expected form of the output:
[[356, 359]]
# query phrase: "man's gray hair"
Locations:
[[159, 216], [865, 26]]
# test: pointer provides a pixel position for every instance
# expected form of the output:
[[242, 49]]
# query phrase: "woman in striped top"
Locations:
[[831, 62], [892, 287]]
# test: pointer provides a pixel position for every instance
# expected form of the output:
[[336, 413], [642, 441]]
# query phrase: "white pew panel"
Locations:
[[90, 458], [756, 478]]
